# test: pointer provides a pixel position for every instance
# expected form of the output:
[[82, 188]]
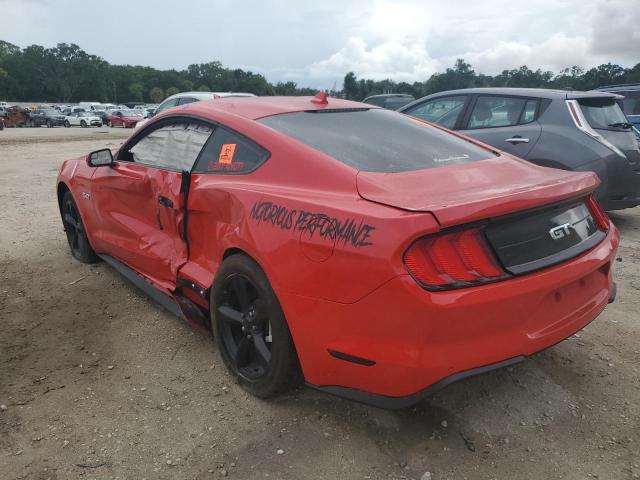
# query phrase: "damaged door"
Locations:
[[141, 201]]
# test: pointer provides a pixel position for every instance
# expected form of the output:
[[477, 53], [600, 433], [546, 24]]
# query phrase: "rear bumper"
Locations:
[[417, 341], [620, 187], [399, 403]]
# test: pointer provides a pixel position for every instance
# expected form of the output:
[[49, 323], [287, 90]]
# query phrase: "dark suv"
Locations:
[[630, 104], [392, 101], [45, 116], [578, 131]]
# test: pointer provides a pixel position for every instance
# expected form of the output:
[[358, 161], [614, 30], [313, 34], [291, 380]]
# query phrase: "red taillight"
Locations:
[[452, 260], [598, 214]]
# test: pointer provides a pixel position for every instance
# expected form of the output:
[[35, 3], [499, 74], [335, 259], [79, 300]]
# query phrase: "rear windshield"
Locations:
[[602, 113], [630, 104], [376, 140]]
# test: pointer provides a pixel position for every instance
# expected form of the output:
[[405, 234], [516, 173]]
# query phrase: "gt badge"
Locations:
[[86, 195], [560, 231]]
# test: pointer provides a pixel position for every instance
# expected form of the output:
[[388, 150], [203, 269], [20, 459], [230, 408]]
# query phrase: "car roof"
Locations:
[[389, 95], [208, 95], [620, 87], [254, 108], [518, 92]]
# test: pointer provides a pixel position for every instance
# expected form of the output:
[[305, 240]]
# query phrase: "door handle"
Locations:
[[165, 202], [516, 140]]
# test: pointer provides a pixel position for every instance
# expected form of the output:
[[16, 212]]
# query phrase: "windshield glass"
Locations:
[[377, 140], [86, 114], [602, 113]]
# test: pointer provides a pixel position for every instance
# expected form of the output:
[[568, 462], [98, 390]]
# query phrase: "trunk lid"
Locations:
[[468, 192]]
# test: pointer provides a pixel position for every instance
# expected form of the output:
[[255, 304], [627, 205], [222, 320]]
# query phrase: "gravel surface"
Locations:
[[97, 382]]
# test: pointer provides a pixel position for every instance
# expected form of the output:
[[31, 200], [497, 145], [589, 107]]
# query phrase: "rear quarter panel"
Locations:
[[300, 216]]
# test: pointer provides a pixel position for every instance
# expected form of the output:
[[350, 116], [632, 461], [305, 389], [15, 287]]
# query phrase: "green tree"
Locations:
[[203, 88], [136, 90], [172, 91], [156, 95], [350, 86]]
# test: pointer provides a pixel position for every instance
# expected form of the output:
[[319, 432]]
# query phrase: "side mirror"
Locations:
[[100, 158]]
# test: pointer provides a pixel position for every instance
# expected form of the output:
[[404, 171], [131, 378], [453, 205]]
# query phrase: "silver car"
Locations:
[[581, 131], [183, 98]]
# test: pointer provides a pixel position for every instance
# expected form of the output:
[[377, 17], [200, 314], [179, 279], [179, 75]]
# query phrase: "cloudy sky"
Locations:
[[316, 43]]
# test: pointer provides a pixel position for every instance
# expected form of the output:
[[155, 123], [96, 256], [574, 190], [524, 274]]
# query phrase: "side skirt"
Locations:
[[179, 306]]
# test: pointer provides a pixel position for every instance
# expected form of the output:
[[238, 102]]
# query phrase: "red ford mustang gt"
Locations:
[[372, 255]]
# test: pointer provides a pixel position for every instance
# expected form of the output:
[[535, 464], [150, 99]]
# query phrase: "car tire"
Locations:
[[67, 124], [250, 329], [49, 124], [83, 124], [76, 234]]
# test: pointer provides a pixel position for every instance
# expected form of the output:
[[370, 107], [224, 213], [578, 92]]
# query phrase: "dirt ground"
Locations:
[[97, 382]]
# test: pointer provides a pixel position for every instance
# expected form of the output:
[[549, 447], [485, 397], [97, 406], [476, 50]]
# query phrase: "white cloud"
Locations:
[[317, 43], [404, 61], [556, 52], [615, 31]]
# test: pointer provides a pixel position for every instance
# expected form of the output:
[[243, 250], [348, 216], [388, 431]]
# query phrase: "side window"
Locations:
[[185, 100], [529, 112], [228, 152], [491, 111], [167, 104], [444, 111], [175, 146]]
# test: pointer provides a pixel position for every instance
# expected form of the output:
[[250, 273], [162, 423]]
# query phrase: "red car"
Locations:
[[124, 118], [372, 255]]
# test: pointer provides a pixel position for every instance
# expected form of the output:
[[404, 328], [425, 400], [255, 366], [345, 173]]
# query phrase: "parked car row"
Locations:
[[579, 131]]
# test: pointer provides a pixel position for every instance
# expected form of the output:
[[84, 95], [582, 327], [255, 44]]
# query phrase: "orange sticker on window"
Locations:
[[226, 153]]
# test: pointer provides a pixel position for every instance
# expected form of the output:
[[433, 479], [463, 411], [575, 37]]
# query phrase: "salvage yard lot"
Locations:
[[98, 382]]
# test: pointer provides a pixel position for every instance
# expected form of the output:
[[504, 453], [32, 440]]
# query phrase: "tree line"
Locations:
[[462, 75], [66, 73]]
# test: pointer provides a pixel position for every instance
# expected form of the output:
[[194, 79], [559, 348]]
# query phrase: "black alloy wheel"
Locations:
[[250, 329], [246, 331], [83, 124], [67, 124], [76, 235]]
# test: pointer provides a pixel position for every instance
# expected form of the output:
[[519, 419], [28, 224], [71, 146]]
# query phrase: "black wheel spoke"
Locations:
[[242, 357], [239, 286], [230, 315], [261, 347], [68, 218]]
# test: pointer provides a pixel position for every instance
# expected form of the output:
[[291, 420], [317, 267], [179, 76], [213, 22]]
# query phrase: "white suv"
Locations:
[[190, 97]]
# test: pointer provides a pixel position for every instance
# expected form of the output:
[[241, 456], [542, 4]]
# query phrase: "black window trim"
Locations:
[[467, 117], [461, 116], [149, 127]]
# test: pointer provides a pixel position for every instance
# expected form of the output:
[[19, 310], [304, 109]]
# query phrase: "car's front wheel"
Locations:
[[67, 124], [76, 233], [251, 330], [83, 124]]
